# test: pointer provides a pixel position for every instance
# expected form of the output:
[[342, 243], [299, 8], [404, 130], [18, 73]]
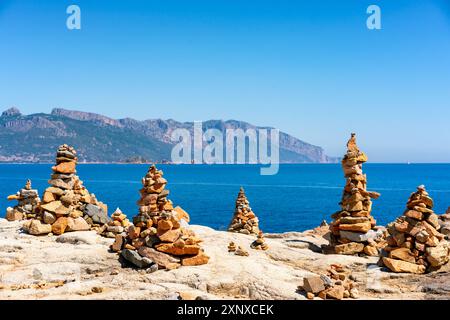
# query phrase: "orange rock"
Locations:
[[48, 197], [414, 214], [134, 232], [180, 243], [371, 251], [60, 225], [182, 214], [168, 206], [171, 249], [358, 227], [197, 260], [403, 254], [156, 188], [65, 167], [164, 225], [129, 247], [118, 243], [169, 235]]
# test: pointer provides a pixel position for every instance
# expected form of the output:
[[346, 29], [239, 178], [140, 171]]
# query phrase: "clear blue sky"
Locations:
[[310, 68]]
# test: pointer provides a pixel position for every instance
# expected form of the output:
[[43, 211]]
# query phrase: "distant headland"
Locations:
[[99, 139]]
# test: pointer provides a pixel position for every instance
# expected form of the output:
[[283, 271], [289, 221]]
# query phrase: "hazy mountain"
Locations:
[[35, 137]]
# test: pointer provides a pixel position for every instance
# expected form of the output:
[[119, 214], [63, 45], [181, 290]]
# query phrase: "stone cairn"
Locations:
[[244, 220], [27, 204], [237, 250], [353, 228], [260, 242], [67, 205], [160, 237], [444, 221], [336, 284], [117, 225], [415, 244]]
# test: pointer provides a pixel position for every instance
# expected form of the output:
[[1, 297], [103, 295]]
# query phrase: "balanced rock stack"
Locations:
[[67, 205], [237, 250], [244, 220], [160, 235], [444, 221], [353, 229], [27, 204], [260, 242], [117, 225], [415, 244]]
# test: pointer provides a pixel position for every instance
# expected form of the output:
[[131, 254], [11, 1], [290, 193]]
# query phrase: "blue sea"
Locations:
[[299, 197]]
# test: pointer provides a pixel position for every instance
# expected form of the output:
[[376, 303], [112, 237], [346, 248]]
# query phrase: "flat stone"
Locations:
[[360, 237], [357, 227], [169, 235], [162, 259], [313, 284], [171, 249], [59, 183], [97, 214], [137, 260], [403, 254], [353, 220], [51, 206], [349, 248], [403, 266], [196, 260]]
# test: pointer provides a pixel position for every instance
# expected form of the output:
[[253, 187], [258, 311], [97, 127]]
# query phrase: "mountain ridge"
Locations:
[[98, 138]]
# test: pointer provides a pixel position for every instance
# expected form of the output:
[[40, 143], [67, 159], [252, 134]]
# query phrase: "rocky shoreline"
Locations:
[[79, 265]]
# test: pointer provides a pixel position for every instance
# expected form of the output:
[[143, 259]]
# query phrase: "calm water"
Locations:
[[299, 197]]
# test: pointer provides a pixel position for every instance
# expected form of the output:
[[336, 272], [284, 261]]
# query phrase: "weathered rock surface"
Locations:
[[71, 265]]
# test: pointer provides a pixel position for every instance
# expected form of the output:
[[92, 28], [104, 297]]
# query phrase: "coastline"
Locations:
[[72, 265]]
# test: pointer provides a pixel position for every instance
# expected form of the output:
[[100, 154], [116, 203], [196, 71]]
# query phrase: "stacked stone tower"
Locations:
[[353, 228], [244, 219], [67, 205], [28, 202], [415, 244], [160, 236]]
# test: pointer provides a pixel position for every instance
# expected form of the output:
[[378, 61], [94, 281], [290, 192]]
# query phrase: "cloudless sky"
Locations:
[[310, 68]]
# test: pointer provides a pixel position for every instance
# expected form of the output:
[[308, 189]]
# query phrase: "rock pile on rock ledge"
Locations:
[[27, 204], [244, 220], [353, 230], [67, 205], [160, 237], [415, 244], [260, 242], [334, 285], [116, 226]]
